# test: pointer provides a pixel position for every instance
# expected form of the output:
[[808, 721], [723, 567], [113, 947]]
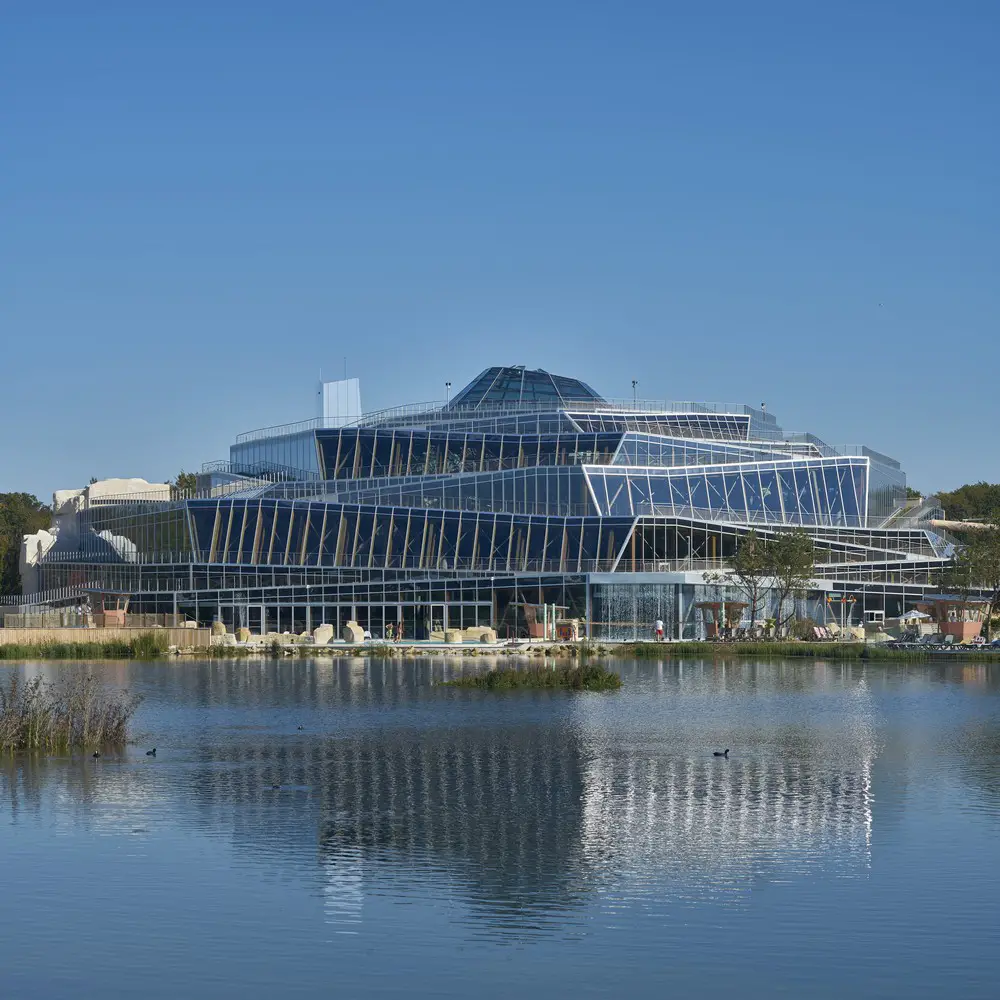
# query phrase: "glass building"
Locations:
[[525, 488]]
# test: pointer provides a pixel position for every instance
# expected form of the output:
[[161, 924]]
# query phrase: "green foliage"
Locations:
[[802, 628], [792, 560], [149, 646], [185, 484], [794, 650], [788, 558], [912, 494], [77, 713], [145, 646], [20, 514], [972, 502], [976, 568], [746, 571], [585, 677]]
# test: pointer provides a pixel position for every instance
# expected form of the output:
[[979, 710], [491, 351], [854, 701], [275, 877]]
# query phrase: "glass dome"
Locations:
[[516, 384]]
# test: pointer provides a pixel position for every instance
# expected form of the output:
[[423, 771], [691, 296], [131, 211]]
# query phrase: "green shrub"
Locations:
[[585, 677]]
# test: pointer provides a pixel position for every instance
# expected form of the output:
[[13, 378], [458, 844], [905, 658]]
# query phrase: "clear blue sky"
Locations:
[[204, 203]]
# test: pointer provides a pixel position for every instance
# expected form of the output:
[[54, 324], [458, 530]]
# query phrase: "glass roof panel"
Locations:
[[517, 384]]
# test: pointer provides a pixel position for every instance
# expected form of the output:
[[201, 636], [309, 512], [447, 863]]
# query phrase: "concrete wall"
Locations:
[[199, 637]]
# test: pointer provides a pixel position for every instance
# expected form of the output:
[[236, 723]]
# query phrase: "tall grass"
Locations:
[[810, 650], [77, 713], [145, 646], [585, 677]]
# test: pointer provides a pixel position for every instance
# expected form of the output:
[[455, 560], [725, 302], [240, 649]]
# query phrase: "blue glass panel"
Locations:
[[279, 538], [734, 492], [203, 517], [789, 495], [770, 491], [752, 489], [618, 495], [660, 490], [679, 495], [804, 493], [245, 549], [699, 491], [296, 533], [716, 491]]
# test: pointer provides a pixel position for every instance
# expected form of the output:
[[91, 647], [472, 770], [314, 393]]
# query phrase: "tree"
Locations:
[[746, 571], [20, 514], [977, 568], [185, 483], [792, 562], [972, 502]]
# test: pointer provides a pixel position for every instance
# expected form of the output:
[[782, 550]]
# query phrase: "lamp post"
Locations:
[[447, 393], [635, 383]]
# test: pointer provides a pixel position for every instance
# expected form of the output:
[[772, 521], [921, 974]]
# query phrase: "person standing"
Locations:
[[658, 626]]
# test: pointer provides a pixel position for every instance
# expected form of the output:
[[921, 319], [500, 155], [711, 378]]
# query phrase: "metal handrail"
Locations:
[[438, 409]]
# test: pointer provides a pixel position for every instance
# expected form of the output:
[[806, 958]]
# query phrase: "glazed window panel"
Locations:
[[716, 492], [789, 493], [752, 491], [735, 500], [397, 537], [805, 503], [346, 536], [770, 491], [449, 540], [380, 536], [473, 453], [277, 543], [698, 485], [203, 517], [618, 497], [365, 532], [466, 537]]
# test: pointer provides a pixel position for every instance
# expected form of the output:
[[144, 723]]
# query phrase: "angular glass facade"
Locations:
[[526, 488]]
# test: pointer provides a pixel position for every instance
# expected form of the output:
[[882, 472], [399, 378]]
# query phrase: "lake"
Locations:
[[444, 842]]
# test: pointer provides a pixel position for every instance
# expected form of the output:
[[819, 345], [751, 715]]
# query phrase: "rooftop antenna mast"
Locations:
[[635, 383]]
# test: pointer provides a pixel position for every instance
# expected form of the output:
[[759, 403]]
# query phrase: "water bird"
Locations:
[[151, 753], [95, 755], [300, 728], [275, 787], [721, 753]]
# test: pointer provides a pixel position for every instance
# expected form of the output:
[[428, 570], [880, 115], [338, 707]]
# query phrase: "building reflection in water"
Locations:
[[523, 820]]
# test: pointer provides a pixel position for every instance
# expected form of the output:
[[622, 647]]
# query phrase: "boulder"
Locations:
[[453, 635], [352, 633], [322, 634], [487, 635]]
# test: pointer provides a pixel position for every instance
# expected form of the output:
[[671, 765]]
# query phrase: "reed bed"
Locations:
[[809, 650], [585, 677], [145, 646], [77, 713]]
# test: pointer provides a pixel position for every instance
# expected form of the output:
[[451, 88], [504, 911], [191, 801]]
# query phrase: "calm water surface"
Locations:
[[453, 843]]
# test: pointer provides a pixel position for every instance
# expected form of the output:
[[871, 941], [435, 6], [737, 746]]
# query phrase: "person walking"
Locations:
[[658, 626]]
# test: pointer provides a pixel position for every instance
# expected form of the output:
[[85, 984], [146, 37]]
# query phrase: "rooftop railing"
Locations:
[[439, 411]]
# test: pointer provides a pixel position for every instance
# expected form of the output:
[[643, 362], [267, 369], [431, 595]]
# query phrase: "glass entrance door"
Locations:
[[256, 619]]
